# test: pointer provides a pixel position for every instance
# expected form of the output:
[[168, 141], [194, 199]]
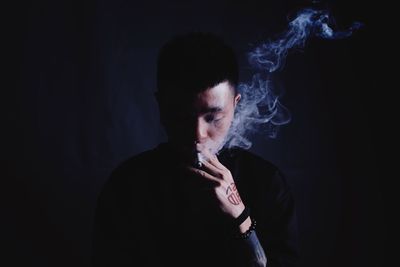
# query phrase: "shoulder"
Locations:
[[131, 173], [256, 162], [134, 164]]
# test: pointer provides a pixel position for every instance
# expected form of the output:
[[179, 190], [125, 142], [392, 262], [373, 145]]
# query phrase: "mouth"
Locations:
[[196, 156], [189, 154], [192, 154]]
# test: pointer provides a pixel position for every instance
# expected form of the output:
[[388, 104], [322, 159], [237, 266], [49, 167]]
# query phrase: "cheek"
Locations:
[[221, 127]]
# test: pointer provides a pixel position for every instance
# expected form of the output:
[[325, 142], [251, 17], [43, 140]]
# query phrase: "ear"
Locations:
[[237, 98]]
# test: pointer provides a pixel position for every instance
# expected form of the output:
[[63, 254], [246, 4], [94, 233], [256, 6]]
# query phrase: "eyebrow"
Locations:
[[211, 110]]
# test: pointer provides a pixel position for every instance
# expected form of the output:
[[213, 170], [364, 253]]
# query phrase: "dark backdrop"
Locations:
[[81, 101]]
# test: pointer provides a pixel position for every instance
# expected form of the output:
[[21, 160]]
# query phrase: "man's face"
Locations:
[[204, 120]]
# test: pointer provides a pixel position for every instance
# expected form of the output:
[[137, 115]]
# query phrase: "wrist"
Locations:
[[245, 226], [244, 215], [245, 235]]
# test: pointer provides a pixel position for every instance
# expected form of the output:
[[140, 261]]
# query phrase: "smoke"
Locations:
[[260, 109]]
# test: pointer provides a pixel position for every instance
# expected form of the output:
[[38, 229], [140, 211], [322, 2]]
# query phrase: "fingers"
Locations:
[[211, 169], [211, 158], [204, 174]]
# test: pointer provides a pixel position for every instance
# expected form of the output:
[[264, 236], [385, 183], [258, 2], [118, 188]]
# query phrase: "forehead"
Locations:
[[218, 96]]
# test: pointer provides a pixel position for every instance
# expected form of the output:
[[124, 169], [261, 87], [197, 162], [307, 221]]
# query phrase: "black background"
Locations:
[[80, 100]]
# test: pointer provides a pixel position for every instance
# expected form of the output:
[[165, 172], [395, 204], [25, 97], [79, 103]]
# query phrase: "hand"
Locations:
[[221, 182]]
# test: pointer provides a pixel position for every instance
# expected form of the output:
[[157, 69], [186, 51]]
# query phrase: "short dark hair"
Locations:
[[192, 62]]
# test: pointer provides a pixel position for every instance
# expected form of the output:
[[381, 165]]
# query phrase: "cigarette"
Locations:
[[197, 162]]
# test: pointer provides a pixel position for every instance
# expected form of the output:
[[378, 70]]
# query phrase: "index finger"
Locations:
[[212, 159]]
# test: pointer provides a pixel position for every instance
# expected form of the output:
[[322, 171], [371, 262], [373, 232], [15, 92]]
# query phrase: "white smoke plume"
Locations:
[[259, 109]]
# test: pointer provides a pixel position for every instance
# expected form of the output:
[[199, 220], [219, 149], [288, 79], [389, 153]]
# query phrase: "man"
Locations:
[[192, 201]]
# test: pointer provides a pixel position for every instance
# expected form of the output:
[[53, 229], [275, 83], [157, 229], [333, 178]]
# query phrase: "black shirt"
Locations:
[[151, 213]]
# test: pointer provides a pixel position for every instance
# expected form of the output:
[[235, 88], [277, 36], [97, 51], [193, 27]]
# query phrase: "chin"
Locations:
[[215, 149], [220, 146]]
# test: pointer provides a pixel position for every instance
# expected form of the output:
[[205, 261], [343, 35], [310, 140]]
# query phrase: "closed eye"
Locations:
[[212, 118]]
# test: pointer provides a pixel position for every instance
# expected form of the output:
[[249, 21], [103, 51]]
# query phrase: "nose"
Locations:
[[201, 130]]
